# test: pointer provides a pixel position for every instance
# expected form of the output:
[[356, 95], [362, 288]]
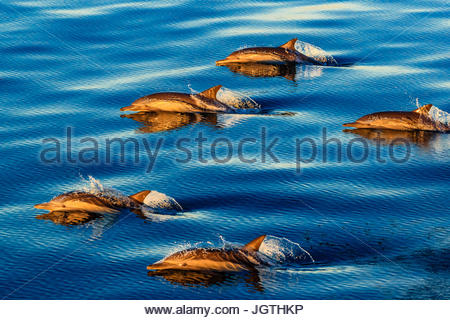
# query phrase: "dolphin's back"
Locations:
[[80, 200], [393, 115], [262, 54], [212, 259], [167, 101], [266, 55], [164, 96], [178, 102], [79, 196]]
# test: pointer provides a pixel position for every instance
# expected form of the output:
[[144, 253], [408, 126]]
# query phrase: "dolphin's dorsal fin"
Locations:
[[140, 196], [211, 92], [424, 109], [290, 44], [254, 244]]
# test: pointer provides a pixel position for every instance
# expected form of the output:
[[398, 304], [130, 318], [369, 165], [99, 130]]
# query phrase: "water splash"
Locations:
[[101, 225], [160, 207], [439, 115], [227, 244], [243, 103], [417, 103], [157, 215], [95, 187], [158, 200], [273, 250], [277, 250], [307, 71], [189, 245], [283, 250], [318, 54]]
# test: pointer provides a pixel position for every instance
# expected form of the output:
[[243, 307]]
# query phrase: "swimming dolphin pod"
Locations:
[[245, 258], [418, 119], [203, 102], [170, 110], [285, 53]]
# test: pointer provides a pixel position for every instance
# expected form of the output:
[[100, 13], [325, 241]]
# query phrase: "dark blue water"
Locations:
[[376, 229]]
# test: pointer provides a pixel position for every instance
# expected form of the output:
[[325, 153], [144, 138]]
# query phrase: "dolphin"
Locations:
[[245, 258], [285, 53], [203, 102], [88, 202], [400, 120]]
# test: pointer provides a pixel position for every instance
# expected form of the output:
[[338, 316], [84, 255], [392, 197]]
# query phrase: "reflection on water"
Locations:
[[164, 121], [206, 279], [264, 70], [290, 71], [98, 222], [423, 139], [70, 218]]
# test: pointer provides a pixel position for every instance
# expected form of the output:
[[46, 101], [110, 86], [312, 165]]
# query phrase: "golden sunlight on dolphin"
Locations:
[[214, 259], [203, 102], [418, 119], [285, 53]]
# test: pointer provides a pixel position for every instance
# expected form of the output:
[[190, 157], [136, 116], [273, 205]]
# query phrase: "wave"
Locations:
[[240, 102], [439, 115], [243, 103], [284, 251], [318, 54], [95, 187]]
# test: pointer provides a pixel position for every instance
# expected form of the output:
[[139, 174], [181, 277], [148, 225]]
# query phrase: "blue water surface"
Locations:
[[376, 228]]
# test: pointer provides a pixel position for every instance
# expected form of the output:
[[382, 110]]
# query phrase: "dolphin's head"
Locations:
[[182, 260], [394, 119], [358, 124], [45, 206], [138, 105], [167, 265], [235, 57], [142, 103]]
